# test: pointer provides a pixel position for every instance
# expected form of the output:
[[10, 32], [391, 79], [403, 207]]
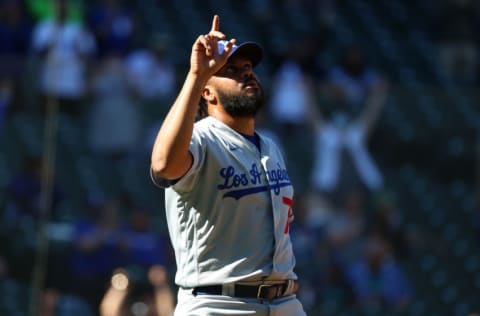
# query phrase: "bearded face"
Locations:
[[246, 103]]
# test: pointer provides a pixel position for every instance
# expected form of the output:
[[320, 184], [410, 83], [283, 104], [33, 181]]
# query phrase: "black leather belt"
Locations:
[[264, 292]]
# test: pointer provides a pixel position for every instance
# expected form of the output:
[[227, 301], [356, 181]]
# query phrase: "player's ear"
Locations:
[[209, 95]]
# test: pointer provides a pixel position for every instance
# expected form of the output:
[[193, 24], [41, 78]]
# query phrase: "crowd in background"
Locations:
[[114, 79]]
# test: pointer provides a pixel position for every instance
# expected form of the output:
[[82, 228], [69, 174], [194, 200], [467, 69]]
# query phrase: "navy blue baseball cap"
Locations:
[[251, 50]]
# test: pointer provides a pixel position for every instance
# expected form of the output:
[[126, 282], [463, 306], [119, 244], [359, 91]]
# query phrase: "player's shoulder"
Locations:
[[203, 123], [203, 127], [211, 126]]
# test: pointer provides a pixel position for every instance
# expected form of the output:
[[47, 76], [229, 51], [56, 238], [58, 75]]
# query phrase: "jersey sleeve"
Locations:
[[197, 150], [161, 182]]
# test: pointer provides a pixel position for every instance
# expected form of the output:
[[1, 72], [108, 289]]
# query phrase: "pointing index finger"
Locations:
[[215, 23]]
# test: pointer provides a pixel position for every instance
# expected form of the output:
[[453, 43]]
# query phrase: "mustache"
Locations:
[[248, 81]]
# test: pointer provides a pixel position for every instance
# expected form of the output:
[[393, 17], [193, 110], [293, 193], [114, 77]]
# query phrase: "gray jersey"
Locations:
[[229, 215]]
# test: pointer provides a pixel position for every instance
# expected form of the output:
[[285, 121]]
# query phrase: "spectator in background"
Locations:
[[98, 249], [293, 104], [293, 99], [146, 255], [352, 81], [164, 301], [290, 86], [56, 303], [455, 26], [144, 248], [64, 47], [347, 227], [342, 159], [121, 297], [376, 278], [114, 123], [387, 223], [45, 9], [24, 194], [15, 33], [112, 25], [20, 214], [152, 75]]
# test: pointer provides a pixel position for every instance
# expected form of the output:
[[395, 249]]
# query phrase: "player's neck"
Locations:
[[244, 125]]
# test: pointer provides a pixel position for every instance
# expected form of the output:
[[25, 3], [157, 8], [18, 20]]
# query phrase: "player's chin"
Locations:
[[253, 91]]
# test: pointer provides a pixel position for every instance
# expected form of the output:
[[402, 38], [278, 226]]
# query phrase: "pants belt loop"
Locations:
[[289, 288], [228, 289]]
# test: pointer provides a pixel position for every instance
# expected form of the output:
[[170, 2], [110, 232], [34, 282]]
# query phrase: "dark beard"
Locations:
[[242, 105]]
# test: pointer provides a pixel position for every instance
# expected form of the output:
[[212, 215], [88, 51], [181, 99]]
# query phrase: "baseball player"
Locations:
[[228, 194]]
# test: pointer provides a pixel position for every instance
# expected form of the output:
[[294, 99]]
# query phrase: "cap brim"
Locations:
[[251, 50]]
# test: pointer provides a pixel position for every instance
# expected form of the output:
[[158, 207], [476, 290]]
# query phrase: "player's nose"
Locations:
[[247, 73], [247, 70]]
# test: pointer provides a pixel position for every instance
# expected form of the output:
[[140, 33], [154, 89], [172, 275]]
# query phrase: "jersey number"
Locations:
[[289, 203]]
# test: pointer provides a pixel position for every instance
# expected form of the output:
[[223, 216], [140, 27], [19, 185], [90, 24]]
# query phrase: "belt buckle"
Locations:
[[259, 292]]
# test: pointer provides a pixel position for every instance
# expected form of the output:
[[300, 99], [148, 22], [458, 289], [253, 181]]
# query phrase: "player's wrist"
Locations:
[[199, 80], [198, 74]]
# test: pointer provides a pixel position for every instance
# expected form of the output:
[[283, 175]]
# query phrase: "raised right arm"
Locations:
[[171, 158]]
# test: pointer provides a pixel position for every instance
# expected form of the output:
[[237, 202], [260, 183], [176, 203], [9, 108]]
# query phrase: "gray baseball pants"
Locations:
[[219, 305]]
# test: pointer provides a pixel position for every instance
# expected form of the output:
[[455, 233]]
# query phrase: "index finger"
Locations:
[[215, 23]]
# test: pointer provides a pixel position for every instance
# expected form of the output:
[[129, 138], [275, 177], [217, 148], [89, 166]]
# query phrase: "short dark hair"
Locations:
[[202, 108]]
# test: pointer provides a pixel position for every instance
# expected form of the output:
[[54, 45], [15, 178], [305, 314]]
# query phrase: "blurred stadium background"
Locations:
[[81, 99]]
